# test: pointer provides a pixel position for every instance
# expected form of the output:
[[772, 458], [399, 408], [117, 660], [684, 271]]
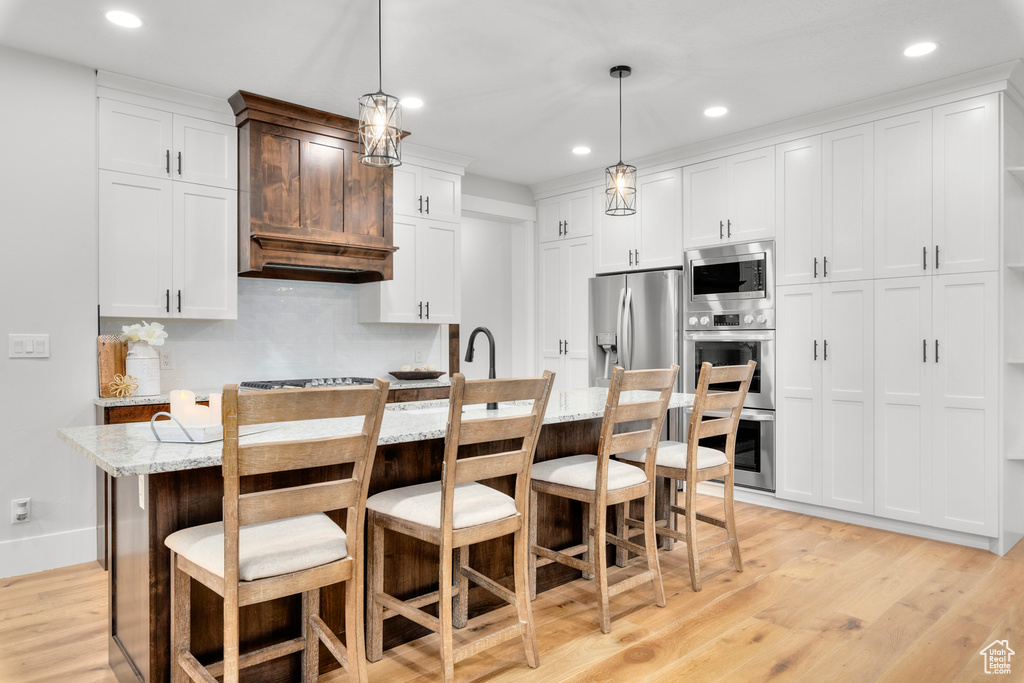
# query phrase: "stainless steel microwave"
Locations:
[[734, 281]]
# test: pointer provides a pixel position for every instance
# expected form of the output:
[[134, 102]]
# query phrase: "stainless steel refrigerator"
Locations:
[[636, 322]]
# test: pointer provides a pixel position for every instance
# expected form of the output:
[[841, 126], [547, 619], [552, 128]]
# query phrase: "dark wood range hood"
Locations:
[[307, 209]]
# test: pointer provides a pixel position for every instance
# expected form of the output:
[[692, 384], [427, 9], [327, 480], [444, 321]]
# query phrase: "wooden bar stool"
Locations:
[[597, 482], [276, 542], [690, 462], [458, 511]]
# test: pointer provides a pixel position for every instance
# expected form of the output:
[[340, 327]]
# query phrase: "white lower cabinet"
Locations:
[[824, 395], [565, 269], [167, 249], [426, 287], [936, 384]]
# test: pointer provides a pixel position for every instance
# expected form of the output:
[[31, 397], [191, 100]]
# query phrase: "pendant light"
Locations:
[[380, 119], [620, 179]]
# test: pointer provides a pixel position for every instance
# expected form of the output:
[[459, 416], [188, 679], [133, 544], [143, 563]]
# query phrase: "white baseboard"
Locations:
[[39, 553], [769, 500]]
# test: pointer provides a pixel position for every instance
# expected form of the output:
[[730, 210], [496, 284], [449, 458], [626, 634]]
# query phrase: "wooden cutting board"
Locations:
[[111, 352]]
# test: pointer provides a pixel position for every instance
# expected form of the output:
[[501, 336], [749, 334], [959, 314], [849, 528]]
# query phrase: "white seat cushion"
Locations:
[[266, 549], [673, 454], [475, 504], [580, 471]]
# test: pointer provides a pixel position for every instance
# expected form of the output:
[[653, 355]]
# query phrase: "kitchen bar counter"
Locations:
[[180, 485]]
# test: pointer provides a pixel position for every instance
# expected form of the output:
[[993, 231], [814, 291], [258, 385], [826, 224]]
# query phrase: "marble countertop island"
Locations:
[[126, 449]]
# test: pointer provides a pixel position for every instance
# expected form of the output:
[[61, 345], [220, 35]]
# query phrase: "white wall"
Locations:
[[289, 329], [491, 188], [487, 295], [49, 284]]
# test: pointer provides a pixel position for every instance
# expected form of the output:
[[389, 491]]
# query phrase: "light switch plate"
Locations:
[[28, 346]]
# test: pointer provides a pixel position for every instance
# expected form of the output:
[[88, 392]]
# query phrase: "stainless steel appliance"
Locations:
[[755, 447], [733, 348], [731, 287], [635, 321]]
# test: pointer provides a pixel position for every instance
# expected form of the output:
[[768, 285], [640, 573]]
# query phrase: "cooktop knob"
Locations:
[[693, 320], [762, 319], [704, 320], [748, 319]]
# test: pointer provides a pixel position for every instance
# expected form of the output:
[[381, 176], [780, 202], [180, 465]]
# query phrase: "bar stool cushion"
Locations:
[[673, 454], [475, 504], [580, 471], [266, 549]]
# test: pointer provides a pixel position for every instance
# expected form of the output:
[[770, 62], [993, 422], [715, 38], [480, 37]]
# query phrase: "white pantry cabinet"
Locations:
[[426, 287], [422, 192], [567, 216], [651, 238], [565, 268], [824, 395], [936, 383], [167, 250], [731, 199], [937, 189], [824, 207], [160, 144]]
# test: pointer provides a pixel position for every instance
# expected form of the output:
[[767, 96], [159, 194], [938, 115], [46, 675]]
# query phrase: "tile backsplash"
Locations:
[[288, 329]]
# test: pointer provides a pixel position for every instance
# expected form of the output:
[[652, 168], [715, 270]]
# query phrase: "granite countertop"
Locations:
[[204, 394], [125, 449]]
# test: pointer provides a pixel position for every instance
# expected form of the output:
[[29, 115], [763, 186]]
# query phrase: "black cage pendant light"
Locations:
[[620, 179], [380, 119]]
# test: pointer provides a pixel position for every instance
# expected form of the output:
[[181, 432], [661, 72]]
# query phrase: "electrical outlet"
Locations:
[[166, 360], [21, 510], [421, 356]]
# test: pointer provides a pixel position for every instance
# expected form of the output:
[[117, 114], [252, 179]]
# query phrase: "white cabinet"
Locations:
[[651, 238], [565, 268], [160, 144], [427, 193], [566, 216], [426, 287], [824, 208], [167, 250], [935, 401], [824, 395], [730, 199], [936, 190]]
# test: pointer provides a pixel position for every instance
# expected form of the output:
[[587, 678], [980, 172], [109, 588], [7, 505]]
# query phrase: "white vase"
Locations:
[[143, 363]]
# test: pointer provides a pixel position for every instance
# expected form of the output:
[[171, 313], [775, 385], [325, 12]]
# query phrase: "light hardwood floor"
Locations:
[[817, 601]]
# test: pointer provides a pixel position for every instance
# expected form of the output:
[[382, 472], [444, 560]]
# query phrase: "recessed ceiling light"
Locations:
[[125, 19], [412, 102], [715, 111], [920, 49], [581, 150]]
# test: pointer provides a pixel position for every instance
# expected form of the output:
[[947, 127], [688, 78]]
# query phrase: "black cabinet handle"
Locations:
[[630, 257], [421, 203], [567, 227], [721, 230], [936, 257], [815, 349], [636, 256], [559, 228], [428, 213], [936, 350], [421, 310], [179, 301], [824, 267], [167, 303], [559, 347], [179, 163], [567, 347], [924, 258], [728, 228], [428, 303], [168, 162], [825, 356], [924, 350], [815, 266]]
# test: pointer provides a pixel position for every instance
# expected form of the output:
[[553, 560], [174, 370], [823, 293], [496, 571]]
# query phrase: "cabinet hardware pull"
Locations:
[[167, 303], [179, 301], [824, 267], [428, 209], [825, 356], [936, 257], [421, 310], [559, 228], [815, 266], [924, 258], [728, 228], [567, 347], [936, 350], [179, 163], [567, 227], [721, 230], [421, 203], [815, 349], [168, 165], [559, 347], [428, 305], [631, 257], [924, 350], [637, 257]]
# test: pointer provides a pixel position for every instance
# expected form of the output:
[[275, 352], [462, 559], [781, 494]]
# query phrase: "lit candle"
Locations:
[[183, 402]]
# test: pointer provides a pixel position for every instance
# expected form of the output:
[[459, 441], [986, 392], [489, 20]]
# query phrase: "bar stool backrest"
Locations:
[[731, 400]]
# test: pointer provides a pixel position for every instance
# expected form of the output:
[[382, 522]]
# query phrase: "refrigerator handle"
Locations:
[[627, 351], [619, 339]]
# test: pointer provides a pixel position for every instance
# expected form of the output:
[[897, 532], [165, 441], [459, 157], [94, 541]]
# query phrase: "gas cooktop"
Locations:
[[306, 383]]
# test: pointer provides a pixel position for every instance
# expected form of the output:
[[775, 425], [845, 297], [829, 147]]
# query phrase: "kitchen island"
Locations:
[[158, 488]]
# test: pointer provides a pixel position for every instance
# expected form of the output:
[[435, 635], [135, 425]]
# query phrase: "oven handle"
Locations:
[[708, 335]]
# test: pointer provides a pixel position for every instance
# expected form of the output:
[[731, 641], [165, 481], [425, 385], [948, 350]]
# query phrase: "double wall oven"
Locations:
[[729, 319]]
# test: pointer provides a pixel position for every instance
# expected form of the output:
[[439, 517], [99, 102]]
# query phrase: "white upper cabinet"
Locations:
[[730, 199], [798, 211], [847, 204], [423, 192], [160, 144], [566, 216], [653, 236], [205, 238], [565, 268], [966, 192]]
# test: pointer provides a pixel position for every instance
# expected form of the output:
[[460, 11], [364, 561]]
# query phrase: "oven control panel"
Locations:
[[759, 319]]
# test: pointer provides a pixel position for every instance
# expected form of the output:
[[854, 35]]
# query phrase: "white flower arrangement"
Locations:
[[147, 332]]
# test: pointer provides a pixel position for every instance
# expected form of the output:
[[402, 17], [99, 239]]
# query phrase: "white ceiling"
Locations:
[[515, 84]]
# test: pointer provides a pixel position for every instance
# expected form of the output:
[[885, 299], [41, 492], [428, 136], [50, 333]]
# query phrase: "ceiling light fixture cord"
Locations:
[[380, 49], [620, 120]]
